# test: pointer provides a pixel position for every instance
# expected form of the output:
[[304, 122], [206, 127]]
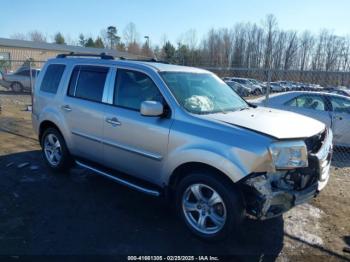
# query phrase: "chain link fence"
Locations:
[[321, 95]]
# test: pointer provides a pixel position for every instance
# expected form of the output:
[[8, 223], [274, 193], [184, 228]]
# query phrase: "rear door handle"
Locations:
[[67, 108], [113, 121]]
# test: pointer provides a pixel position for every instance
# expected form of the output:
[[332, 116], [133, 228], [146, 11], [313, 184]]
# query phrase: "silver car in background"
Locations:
[[242, 90], [20, 80], [181, 133], [256, 89], [331, 109]]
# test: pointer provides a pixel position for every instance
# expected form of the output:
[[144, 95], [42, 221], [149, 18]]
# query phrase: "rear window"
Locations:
[[87, 82], [52, 78]]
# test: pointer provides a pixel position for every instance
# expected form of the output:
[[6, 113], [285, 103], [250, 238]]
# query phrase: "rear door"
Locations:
[[135, 144], [341, 120], [83, 110]]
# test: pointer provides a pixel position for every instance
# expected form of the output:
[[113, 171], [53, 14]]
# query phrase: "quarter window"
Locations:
[[87, 82], [52, 78], [132, 88]]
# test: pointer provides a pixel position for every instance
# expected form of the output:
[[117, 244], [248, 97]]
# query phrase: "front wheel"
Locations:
[[209, 207]]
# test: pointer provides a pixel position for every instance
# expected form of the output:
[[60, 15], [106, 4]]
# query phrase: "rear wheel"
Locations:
[[17, 87], [55, 151], [209, 207]]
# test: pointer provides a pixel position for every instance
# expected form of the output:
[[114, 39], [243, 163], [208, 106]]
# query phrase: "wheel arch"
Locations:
[[185, 169], [45, 125]]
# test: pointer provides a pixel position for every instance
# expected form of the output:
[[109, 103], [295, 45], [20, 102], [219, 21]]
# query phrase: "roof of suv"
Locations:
[[158, 66]]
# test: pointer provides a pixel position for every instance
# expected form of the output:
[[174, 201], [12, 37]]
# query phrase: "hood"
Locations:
[[276, 123]]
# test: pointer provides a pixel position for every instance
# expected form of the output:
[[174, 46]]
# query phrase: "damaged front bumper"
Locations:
[[269, 195]]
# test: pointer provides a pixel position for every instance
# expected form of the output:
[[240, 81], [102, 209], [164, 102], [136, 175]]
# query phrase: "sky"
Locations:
[[170, 18]]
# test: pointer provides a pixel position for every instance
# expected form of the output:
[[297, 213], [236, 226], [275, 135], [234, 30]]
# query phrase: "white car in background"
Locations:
[[331, 109]]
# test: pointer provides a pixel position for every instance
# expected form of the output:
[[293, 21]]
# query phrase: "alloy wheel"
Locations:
[[204, 209], [52, 149]]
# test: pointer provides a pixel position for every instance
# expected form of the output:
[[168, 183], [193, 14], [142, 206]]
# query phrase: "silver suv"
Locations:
[[182, 133]]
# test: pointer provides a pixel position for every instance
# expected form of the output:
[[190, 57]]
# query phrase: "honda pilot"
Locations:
[[181, 133]]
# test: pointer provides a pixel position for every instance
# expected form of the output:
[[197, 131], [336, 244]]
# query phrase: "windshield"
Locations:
[[202, 93]]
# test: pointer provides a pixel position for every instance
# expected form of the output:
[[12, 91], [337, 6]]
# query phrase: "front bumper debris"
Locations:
[[270, 194]]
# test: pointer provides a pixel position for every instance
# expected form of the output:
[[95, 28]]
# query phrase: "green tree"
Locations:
[[169, 52], [59, 39], [99, 43], [82, 40], [182, 54], [90, 42], [112, 36]]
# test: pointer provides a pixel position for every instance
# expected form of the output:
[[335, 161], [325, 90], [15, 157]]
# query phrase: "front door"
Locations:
[[313, 106], [133, 143], [341, 120]]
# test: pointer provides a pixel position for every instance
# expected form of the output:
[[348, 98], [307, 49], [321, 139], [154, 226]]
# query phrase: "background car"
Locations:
[[331, 109], [238, 88], [20, 80], [340, 90], [276, 87], [255, 88]]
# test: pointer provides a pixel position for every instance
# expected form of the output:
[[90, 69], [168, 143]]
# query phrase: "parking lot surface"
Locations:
[[80, 213]]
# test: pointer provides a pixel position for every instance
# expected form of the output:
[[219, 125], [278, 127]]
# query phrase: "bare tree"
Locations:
[[36, 36], [291, 49], [270, 25], [307, 43], [278, 50], [18, 36], [130, 34], [332, 51]]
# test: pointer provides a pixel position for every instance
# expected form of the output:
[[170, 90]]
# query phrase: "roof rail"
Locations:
[[102, 55], [143, 60]]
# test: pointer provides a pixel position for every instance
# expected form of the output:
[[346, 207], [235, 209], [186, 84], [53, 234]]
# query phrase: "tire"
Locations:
[[228, 214], [17, 87], [257, 92], [61, 159]]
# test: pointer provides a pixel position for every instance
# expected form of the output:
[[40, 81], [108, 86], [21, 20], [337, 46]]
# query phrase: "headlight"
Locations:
[[289, 154]]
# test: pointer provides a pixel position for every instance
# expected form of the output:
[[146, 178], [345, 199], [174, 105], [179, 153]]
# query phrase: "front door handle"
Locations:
[[67, 108], [113, 121]]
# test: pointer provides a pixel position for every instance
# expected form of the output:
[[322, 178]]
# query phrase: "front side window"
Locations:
[[132, 88], [202, 93], [309, 102], [52, 78], [87, 82]]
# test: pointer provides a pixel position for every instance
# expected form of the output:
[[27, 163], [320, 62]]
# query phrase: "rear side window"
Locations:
[[52, 78], [87, 82]]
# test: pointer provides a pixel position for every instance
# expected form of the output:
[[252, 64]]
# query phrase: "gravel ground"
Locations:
[[82, 213]]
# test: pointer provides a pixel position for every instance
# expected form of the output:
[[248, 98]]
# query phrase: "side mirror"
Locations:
[[151, 108]]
